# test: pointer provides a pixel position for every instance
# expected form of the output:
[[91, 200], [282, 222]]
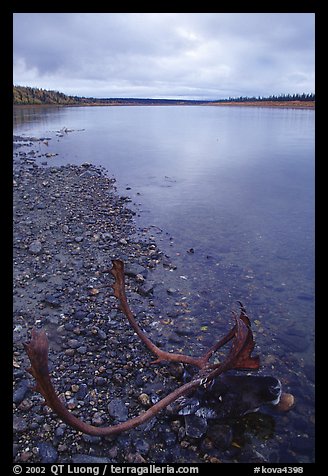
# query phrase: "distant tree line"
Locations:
[[281, 97], [23, 95], [28, 95]]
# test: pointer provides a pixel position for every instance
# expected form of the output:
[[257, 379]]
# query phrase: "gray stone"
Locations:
[[20, 391], [118, 410], [172, 291], [73, 343], [47, 453], [101, 334], [221, 435], [82, 350], [146, 290], [35, 247], [82, 392], [51, 300], [19, 424], [142, 446], [133, 270], [195, 426]]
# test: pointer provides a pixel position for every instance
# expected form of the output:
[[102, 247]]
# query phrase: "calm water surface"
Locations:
[[235, 185]]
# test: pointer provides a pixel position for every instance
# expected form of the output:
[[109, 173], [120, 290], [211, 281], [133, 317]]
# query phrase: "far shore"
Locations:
[[285, 104], [280, 104]]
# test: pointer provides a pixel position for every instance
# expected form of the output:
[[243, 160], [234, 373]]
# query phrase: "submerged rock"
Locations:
[[195, 426]]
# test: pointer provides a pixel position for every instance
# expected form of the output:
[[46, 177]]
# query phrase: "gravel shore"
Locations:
[[69, 223]]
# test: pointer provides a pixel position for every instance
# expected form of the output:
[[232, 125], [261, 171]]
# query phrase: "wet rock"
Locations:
[[20, 391], [19, 424], [101, 334], [82, 350], [172, 291], [100, 381], [51, 300], [47, 453], [97, 419], [144, 399], [91, 439], [146, 290], [220, 435], [80, 314], [82, 392], [54, 320], [73, 343], [35, 247], [132, 270], [195, 426], [118, 410], [286, 403], [142, 446]]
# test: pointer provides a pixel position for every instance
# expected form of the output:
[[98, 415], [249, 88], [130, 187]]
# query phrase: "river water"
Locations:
[[228, 193]]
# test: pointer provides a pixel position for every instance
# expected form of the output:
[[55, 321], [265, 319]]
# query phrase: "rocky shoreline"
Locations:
[[69, 223]]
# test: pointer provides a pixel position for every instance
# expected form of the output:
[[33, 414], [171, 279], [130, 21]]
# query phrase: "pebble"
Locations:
[[73, 343], [142, 446], [172, 291], [287, 402], [20, 391], [19, 424], [195, 426], [47, 452], [51, 300], [82, 350], [144, 399], [118, 410], [221, 435], [97, 419], [35, 247]]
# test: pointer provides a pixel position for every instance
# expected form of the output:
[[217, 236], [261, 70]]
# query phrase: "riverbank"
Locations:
[[280, 104], [69, 223]]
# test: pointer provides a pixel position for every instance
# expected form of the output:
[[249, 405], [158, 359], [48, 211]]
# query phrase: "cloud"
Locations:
[[166, 54]]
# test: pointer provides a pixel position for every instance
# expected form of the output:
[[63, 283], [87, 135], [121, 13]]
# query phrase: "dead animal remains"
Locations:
[[238, 357]]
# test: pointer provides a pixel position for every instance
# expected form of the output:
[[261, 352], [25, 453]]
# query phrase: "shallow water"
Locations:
[[228, 193]]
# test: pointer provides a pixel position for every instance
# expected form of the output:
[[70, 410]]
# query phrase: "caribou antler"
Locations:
[[239, 357]]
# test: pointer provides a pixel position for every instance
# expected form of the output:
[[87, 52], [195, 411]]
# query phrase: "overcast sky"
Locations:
[[165, 55]]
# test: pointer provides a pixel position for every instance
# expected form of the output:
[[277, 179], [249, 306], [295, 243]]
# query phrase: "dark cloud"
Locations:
[[165, 55]]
